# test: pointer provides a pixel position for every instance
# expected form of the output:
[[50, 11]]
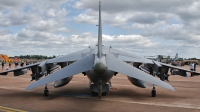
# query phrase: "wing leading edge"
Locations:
[[179, 68], [77, 67], [18, 69], [119, 66]]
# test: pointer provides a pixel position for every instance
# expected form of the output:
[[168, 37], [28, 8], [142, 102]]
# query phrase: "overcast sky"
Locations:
[[141, 27]]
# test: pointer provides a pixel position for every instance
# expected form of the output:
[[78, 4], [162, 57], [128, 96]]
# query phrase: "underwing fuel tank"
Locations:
[[20, 72], [62, 82], [137, 82]]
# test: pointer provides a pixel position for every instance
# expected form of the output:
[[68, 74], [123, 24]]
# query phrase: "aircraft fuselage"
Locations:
[[99, 72]]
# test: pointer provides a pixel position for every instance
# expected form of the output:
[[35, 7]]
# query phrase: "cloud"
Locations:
[[64, 26], [9, 4], [35, 42], [116, 6], [14, 18], [45, 25], [189, 12], [4, 31]]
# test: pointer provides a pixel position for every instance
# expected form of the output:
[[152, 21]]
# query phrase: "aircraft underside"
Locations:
[[98, 83]]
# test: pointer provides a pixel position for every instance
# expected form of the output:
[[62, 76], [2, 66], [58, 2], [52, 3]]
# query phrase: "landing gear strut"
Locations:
[[46, 91], [153, 92], [109, 82], [100, 89]]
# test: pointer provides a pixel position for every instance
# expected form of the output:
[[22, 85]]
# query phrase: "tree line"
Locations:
[[38, 57]]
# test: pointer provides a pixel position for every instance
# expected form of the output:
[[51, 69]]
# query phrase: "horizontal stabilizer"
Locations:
[[124, 56], [119, 66], [77, 67], [157, 64], [70, 57]]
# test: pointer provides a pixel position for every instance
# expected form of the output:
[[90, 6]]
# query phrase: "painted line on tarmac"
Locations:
[[7, 109], [12, 88], [151, 85], [179, 105], [184, 81], [175, 105], [12, 77]]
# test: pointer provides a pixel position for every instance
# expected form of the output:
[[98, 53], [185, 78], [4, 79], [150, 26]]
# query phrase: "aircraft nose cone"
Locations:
[[99, 68]]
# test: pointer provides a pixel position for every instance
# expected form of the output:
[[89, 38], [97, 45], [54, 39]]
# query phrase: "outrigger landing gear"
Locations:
[[153, 92], [46, 91]]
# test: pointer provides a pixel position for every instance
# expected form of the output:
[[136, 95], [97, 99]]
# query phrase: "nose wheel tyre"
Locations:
[[46, 91], [94, 94], [153, 93], [104, 93]]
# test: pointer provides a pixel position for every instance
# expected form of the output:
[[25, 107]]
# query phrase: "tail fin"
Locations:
[[99, 53], [176, 57]]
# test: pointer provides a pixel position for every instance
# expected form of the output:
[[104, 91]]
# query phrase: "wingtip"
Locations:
[[29, 87], [173, 89]]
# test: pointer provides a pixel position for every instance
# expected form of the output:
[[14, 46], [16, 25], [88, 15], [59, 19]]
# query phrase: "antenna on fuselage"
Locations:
[[99, 53]]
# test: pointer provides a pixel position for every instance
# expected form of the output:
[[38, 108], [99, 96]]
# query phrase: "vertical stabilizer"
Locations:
[[99, 53], [176, 57]]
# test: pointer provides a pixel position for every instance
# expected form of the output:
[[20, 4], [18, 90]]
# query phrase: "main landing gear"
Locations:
[[100, 89], [46, 91], [153, 92], [96, 94]]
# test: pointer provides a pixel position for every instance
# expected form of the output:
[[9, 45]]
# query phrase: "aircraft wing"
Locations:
[[176, 67], [71, 57], [171, 66], [132, 59], [77, 67], [19, 69], [117, 65], [128, 57]]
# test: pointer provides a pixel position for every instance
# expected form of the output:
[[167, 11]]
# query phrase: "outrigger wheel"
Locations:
[[153, 92], [46, 91]]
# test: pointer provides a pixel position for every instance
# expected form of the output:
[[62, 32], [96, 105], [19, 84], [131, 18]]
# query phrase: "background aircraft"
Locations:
[[162, 71], [99, 64], [163, 58]]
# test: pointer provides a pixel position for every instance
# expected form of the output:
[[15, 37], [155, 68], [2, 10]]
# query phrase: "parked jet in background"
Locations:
[[99, 64], [162, 71], [176, 57], [163, 58]]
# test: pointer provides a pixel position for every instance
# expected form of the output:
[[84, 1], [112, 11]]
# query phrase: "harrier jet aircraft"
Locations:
[[163, 58], [99, 64]]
